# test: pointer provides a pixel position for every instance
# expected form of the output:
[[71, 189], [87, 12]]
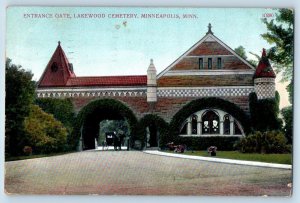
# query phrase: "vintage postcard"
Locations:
[[149, 101]]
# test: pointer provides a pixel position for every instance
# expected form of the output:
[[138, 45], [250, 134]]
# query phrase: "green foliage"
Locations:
[[264, 142], [20, 91], [287, 114], [202, 143], [160, 124], [43, 133], [240, 50], [281, 34], [204, 103], [62, 110], [93, 113], [264, 113], [120, 126]]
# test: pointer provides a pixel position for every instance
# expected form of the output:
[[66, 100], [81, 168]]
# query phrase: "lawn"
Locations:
[[269, 158]]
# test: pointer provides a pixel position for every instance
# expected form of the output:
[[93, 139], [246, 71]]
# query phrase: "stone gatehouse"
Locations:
[[209, 69]]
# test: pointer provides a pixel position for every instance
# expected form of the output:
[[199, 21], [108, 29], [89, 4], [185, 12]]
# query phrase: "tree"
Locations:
[[20, 91], [281, 34], [62, 110], [287, 114], [43, 132], [240, 50]]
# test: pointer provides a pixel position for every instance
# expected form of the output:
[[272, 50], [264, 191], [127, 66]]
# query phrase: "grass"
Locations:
[[34, 156], [268, 158]]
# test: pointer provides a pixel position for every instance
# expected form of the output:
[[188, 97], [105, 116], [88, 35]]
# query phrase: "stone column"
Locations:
[[231, 125], [189, 127], [199, 127], [221, 127]]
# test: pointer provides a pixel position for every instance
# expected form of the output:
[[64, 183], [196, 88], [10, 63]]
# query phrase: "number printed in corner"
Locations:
[[268, 15]]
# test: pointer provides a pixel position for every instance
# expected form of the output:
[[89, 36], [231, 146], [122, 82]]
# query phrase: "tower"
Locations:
[[264, 78], [151, 83], [58, 70]]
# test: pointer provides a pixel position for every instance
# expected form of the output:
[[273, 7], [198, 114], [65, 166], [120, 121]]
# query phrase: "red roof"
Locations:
[[264, 69], [58, 70], [137, 80], [59, 73]]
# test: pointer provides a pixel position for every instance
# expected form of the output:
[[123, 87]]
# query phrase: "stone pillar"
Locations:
[[221, 127], [151, 83], [231, 125], [96, 143], [189, 127], [199, 127]]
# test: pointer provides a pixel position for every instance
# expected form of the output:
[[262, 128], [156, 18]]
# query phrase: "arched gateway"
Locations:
[[208, 70]]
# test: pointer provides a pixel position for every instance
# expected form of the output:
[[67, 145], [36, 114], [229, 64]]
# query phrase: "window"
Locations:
[[219, 63], [200, 63], [210, 123], [226, 125], [209, 63], [194, 125], [54, 67]]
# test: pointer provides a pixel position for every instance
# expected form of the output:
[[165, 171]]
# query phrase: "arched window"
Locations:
[[194, 124], [237, 130], [226, 124], [210, 123], [183, 130]]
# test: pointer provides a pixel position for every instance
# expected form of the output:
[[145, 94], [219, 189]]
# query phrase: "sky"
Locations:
[[115, 44]]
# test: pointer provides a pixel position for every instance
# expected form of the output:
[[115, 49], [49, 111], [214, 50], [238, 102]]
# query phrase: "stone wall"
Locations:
[[165, 107]]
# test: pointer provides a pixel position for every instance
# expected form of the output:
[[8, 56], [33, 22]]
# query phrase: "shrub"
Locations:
[[287, 114], [202, 143], [264, 142], [264, 113], [43, 132]]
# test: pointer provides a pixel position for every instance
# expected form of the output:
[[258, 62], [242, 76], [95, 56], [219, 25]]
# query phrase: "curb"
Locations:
[[220, 160]]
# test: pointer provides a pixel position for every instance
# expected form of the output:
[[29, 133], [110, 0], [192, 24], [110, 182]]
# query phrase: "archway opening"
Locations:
[[152, 130], [110, 112]]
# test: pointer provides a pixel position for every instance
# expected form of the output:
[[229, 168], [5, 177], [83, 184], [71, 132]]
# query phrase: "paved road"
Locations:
[[137, 173]]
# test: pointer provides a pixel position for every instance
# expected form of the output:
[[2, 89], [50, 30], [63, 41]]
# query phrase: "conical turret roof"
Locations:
[[264, 69]]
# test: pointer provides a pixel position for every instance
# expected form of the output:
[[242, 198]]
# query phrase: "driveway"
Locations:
[[138, 173]]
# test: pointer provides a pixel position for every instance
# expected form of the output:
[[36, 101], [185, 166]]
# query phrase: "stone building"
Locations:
[[209, 69]]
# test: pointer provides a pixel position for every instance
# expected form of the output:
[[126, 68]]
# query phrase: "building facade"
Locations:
[[209, 69]]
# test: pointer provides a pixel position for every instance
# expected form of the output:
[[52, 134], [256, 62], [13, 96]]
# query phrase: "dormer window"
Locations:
[[219, 63], [54, 67], [209, 63], [201, 63]]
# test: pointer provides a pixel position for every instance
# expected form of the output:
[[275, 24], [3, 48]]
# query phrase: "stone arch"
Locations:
[[89, 117], [157, 123], [207, 103]]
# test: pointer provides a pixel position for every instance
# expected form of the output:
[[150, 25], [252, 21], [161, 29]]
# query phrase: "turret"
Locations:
[[151, 83], [264, 78]]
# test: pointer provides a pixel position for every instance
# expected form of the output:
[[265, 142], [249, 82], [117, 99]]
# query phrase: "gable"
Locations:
[[209, 50], [57, 71]]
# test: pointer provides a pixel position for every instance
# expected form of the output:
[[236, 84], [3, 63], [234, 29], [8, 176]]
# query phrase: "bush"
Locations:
[[264, 113], [43, 132], [202, 143], [264, 142], [287, 114], [62, 110]]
